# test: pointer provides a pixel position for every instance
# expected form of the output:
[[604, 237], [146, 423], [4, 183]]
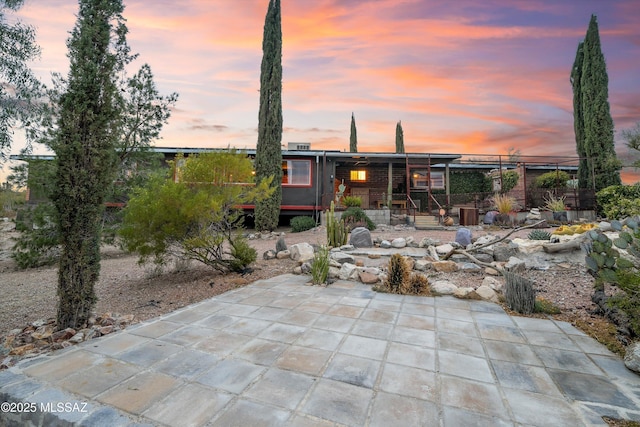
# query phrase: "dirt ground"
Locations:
[[125, 287]]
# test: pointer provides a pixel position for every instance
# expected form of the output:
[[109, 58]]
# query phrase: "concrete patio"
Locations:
[[279, 353]]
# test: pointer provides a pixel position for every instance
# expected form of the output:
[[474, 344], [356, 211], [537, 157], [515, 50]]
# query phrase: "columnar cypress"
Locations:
[[353, 137], [584, 171], [85, 153], [399, 138], [596, 118], [268, 151]]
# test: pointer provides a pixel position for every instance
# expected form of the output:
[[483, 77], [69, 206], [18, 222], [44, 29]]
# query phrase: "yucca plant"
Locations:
[[320, 266]]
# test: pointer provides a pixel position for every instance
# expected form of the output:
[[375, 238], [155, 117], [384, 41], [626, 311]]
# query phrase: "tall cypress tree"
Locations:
[[353, 137], [85, 152], [584, 171], [596, 117], [399, 138], [268, 151]]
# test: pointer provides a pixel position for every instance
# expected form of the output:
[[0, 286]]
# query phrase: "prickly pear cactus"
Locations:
[[603, 257]]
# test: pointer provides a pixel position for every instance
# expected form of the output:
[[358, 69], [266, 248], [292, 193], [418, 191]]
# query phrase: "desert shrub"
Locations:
[[619, 201], [398, 276], [504, 204], [418, 284], [352, 201], [553, 203], [355, 217], [554, 179], [542, 305], [302, 223], [320, 266], [195, 218]]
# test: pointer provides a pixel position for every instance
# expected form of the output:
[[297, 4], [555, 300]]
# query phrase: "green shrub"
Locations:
[[320, 266], [241, 254], [542, 305], [302, 223], [352, 201], [353, 217], [38, 242], [554, 179], [619, 201], [509, 181]]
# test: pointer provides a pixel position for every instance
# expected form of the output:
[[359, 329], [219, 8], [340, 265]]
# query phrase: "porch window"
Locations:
[[420, 179], [296, 172], [358, 175]]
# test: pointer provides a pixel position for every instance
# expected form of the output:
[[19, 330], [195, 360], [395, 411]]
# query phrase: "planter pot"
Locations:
[[560, 216]]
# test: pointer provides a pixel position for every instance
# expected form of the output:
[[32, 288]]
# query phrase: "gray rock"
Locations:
[[281, 245], [342, 257], [605, 226], [463, 237], [297, 270], [493, 283], [490, 217], [443, 287], [411, 241], [334, 272], [458, 258], [361, 238], [347, 247], [283, 254], [399, 243], [463, 292], [428, 241], [515, 265], [270, 254], [306, 267], [503, 251], [385, 244], [433, 253], [444, 249], [470, 267], [484, 257], [422, 265], [445, 266], [632, 357], [347, 271], [486, 293], [301, 252], [483, 240]]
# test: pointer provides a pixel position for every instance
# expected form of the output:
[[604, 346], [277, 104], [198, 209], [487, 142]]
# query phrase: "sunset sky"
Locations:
[[463, 76]]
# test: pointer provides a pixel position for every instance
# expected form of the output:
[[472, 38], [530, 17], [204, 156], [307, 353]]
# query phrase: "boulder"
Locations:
[[347, 247], [632, 357], [385, 244], [515, 265], [341, 258], [470, 267], [493, 283], [361, 238], [334, 272], [428, 241], [490, 217], [486, 293], [443, 287], [534, 215], [280, 245], [399, 243], [503, 251], [484, 257], [483, 240], [270, 254], [306, 268], [422, 265], [433, 253], [444, 249], [411, 241], [445, 266], [283, 254], [462, 292], [348, 271], [368, 278], [301, 252], [463, 237]]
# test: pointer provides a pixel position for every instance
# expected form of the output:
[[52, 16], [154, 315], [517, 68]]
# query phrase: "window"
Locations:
[[296, 172], [358, 175], [420, 179]]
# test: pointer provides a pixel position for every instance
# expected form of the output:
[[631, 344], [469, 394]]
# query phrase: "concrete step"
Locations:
[[426, 221]]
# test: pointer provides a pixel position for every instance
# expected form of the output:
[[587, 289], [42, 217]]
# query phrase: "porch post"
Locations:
[[390, 185], [408, 179], [446, 184]]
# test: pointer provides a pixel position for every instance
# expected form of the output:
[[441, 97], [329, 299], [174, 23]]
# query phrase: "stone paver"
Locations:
[[281, 353]]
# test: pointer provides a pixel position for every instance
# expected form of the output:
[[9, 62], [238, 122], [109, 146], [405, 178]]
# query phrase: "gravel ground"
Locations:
[[128, 288]]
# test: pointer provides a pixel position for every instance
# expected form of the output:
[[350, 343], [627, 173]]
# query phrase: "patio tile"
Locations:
[[419, 309], [231, 375], [306, 360], [421, 337], [345, 311], [353, 370], [339, 402], [320, 339], [138, 393], [60, 367], [474, 396], [394, 410], [591, 388], [188, 363], [223, 343], [462, 365], [415, 321], [460, 344], [411, 355], [365, 347], [250, 327], [539, 410], [456, 417], [408, 381], [512, 352], [246, 413], [566, 360], [334, 323], [381, 316], [281, 388], [299, 318], [149, 353], [282, 333], [525, 377], [117, 343], [99, 377], [369, 329], [155, 329], [261, 352], [500, 332], [466, 329]]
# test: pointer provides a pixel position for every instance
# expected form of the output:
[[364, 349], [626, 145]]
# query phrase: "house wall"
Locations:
[[377, 180]]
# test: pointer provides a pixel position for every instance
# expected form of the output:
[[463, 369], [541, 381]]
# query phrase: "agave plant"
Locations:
[[539, 235]]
